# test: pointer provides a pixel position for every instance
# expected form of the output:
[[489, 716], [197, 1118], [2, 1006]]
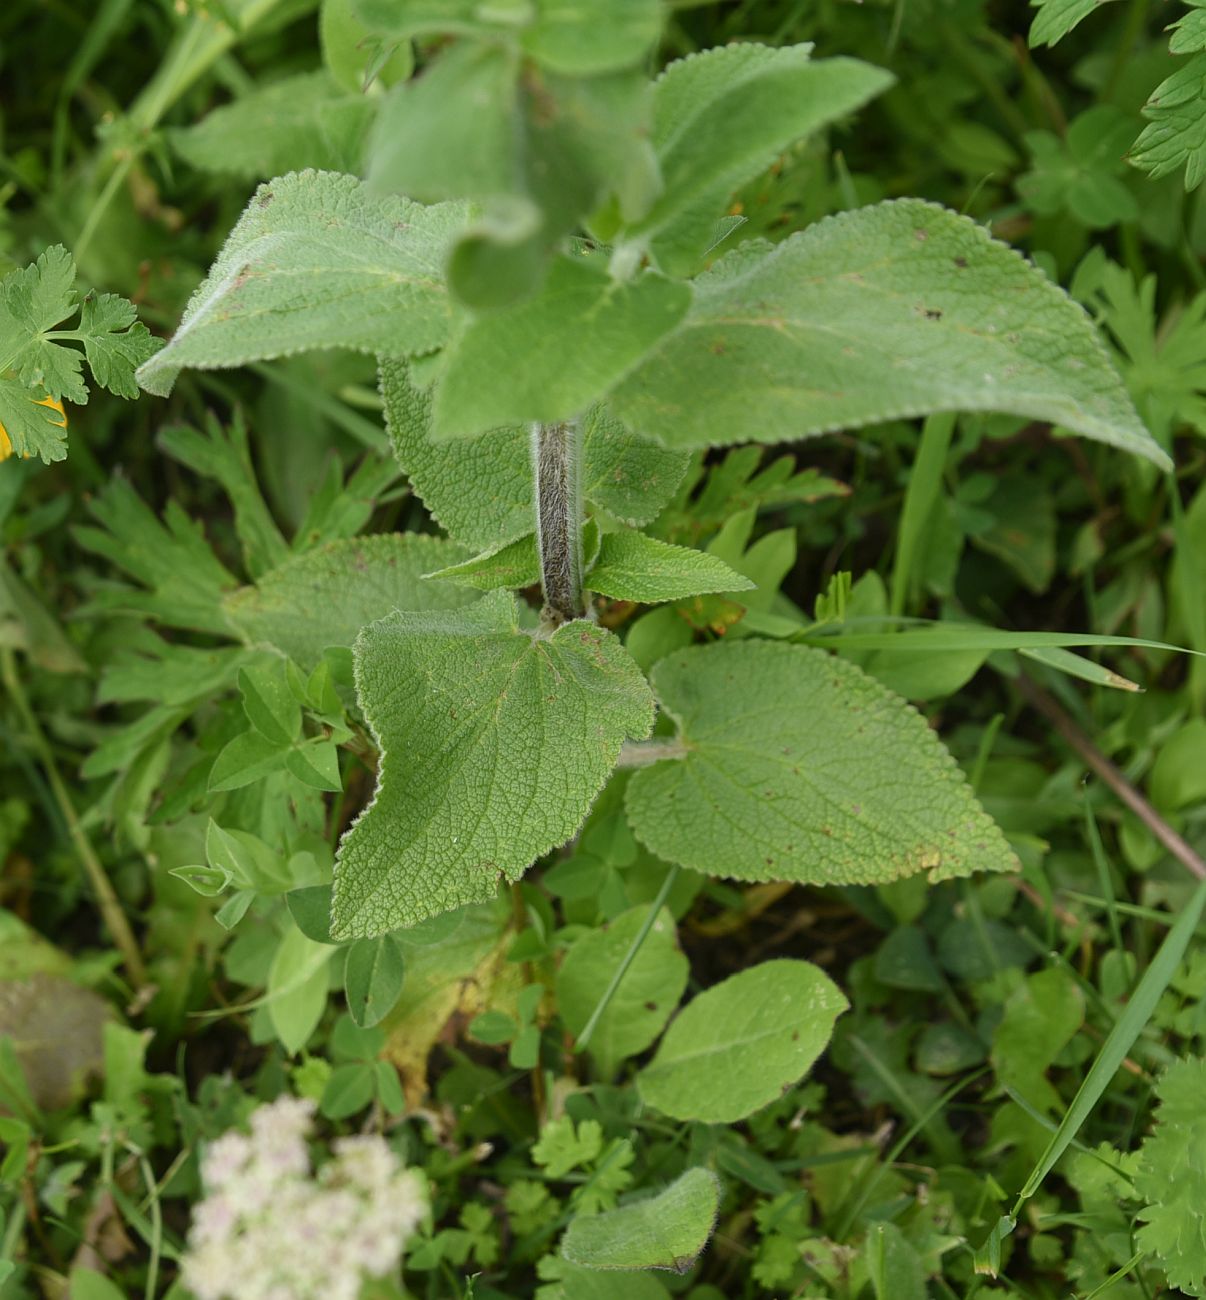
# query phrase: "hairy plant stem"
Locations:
[[110, 909], [1046, 704], [556, 454]]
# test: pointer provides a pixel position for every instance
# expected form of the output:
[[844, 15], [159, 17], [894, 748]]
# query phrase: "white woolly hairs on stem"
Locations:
[[556, 457]]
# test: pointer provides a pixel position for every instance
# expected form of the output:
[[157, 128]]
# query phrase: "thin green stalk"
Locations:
[[556, 455], [156, 1242], [629, 957], [110, 909], [1128, 1268], [101, 205]]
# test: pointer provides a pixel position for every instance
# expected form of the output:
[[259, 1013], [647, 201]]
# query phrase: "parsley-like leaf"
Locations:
[[1172, 1178], [1175, 134], [38, 365], [115, 342]]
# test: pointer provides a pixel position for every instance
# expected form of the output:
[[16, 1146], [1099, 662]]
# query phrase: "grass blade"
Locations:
[[925, 487]]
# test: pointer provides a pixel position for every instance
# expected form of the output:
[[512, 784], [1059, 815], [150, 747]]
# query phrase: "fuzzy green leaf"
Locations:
[[780, 342], [737, 1045], [799, 766], [1172, 1178], [481, 490], [316, 262], [632, 566], [451, 132], [306, 120], [721, 117], [541, 152], [325, 596], [513, 565], [668, 1230], [578, 337], [493, 746]]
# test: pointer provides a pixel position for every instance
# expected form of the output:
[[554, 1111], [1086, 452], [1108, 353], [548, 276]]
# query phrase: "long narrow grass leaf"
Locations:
[[925, 486]]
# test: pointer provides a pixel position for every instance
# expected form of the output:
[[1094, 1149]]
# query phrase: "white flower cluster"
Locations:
[[269, 1229]]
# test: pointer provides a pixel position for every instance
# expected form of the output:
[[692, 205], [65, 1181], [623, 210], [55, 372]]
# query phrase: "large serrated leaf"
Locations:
[[481, 489], [317, 262], [723, 116], [798, 766], [325, 596], [889, 311], [493, 746]]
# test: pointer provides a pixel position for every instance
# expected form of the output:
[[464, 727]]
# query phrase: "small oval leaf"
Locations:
[[373, 978], [737, 1046], [664, 1231]]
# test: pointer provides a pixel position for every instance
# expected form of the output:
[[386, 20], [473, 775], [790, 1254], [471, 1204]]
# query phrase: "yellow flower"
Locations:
[[6, 445]]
